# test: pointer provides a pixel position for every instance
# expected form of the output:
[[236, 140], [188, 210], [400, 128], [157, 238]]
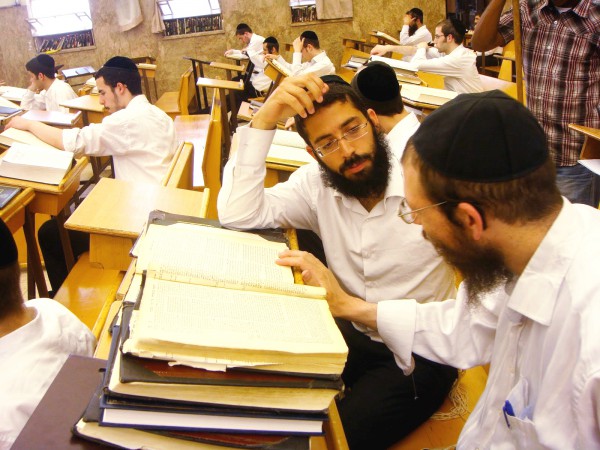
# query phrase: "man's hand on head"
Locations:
[[295, 95], [407, 19], [298, 44]]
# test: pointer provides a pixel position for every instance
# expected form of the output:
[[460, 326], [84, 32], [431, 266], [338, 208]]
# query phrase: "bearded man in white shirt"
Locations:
[[480, 181], [45, 92], [349, 197], [414, 30], [139, 136]]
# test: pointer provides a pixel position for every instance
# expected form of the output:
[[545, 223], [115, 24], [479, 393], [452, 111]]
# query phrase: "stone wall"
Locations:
[[266, 17]]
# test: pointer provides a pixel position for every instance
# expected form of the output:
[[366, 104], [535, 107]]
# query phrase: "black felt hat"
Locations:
[[8, 248], [484, 137], [376, 85]]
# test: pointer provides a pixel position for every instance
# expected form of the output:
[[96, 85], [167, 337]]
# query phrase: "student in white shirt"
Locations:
[[308, 56], [378, 88], [414, 30], [262, 82], [45, 91], [36, 337], [139, 136], [253, 50], [530, 300]]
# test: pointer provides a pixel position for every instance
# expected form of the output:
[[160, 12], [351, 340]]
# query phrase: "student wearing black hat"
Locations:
[[480, 181], [308, 56], [349, 197], [260, 81], [36, 337], [45, 91], [139, 136], [378, 88]]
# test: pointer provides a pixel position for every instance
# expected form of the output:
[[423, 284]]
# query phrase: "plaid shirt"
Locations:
[[561, 61]]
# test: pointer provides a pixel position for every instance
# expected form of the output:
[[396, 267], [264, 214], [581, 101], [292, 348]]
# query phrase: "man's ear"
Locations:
[[471, 219], [373, 116], [310, 151]]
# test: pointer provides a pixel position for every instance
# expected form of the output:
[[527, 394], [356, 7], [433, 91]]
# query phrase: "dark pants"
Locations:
[[382, 405], [53, 254]]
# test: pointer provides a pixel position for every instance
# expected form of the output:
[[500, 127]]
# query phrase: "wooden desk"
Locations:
[[194, 129], [55, 118], [222, 86], [89, 105], [115, 211], [52, 200], [16, 215], [237, 58], [425, 99], [229, 68], [198, 71], [591, 145]]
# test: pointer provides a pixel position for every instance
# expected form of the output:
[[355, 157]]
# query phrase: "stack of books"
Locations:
[[405, 72], [220, 340]]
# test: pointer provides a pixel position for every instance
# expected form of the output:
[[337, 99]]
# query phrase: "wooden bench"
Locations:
[[176, 103]]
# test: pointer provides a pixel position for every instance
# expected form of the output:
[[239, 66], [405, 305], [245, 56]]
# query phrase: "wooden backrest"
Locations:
[[211, 162], [187, 92], [181, 170], [506, 67]]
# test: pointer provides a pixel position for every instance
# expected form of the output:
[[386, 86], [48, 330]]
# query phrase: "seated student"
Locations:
[[139, 136], [308, 56], [45, 91], [530, 300], [414, 30], [36, 337], [349, 197], [262, 82], [378, 88], [253, 49], [449, 57]]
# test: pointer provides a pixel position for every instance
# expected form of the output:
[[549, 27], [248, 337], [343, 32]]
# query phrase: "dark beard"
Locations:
[[372, 183], [412, 29], [483, 268]]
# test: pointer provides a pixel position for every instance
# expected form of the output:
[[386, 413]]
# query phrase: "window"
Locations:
[[190, 16], [303, 11], [49, 17]]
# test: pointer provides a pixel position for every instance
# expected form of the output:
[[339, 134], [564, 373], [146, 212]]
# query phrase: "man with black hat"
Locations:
[[349, 197], [36, 338], [308, 56], [480, 181], [378, 88], [139, 136], [45, 91]]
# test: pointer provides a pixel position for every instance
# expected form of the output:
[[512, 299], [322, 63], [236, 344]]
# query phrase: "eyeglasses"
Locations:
[[437, 36], [333, 145], [408, 215]]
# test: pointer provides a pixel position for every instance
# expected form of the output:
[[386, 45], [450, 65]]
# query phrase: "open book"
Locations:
[[356, 62], [33, 163], [389, 39], [13, 135], [431, 96], [405, 71], [289, 149], [215, 296]]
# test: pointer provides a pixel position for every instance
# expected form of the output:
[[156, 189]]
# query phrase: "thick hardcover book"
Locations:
[[132, 378], [38, 164], [215, 297], [8, 111], [7, 193]]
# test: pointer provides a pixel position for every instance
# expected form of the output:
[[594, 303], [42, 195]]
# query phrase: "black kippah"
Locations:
[[377, 82], [8, 248], [308, 34], [484, 137], [45, 60], [334, 79], [122, 63]]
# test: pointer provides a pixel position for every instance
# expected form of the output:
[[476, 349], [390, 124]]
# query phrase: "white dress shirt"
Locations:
[[49, 100], [254, 51], [421, 35], [540, 335], [30, 358], [140, 138], [401, 133], [458, 68], [372, 253], [320, 65]]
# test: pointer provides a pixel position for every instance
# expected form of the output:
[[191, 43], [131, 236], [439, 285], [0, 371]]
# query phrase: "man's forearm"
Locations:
[[486, 35], [48, 134]]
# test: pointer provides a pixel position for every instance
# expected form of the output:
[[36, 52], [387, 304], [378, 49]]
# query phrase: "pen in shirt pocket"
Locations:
[[507, 409]]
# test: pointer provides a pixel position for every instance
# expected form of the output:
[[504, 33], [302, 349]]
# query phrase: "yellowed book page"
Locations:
[[190, 253], [24, 137], [213, 322]]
